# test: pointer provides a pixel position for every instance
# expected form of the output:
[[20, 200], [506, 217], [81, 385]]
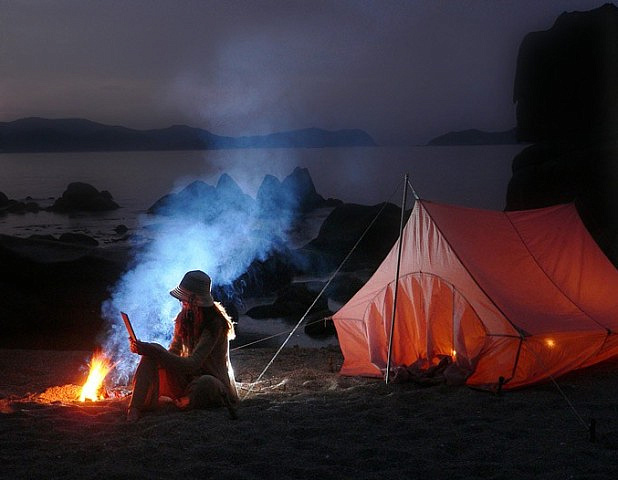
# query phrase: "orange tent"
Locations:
[[521, 295]]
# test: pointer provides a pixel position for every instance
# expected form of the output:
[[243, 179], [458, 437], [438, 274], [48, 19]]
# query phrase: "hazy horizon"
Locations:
[[404, 72]]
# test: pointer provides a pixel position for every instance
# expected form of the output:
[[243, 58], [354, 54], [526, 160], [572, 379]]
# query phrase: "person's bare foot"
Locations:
[[133, 415], [183, 402], [231, 408]]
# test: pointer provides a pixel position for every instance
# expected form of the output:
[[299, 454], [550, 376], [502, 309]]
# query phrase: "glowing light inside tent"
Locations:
[[550, 343]]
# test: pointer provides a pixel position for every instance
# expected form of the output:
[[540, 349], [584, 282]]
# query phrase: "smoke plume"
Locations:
[[218, 229]]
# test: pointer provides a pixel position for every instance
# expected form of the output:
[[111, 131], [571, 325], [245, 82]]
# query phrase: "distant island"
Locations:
[[74, 135], [476, 137]]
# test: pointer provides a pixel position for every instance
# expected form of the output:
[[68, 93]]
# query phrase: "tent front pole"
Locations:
[[390, 337]]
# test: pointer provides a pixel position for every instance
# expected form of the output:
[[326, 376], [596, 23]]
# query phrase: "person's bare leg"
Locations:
[[145, 389]]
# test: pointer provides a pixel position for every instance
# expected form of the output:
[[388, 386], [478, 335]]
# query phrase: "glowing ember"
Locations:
[[100, 366]]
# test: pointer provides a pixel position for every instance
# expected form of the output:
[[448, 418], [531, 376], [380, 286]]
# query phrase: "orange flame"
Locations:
[[93, 390]]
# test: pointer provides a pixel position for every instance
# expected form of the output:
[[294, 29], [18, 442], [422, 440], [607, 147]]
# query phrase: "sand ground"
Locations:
[[304, 420]]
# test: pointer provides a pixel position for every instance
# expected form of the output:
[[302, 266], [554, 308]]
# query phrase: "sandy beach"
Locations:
[[304, 420], [301, 420]]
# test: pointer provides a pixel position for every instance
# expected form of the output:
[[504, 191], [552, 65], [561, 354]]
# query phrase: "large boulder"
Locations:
[[292, 302], [566, 89], [340, 232], [84, 197]]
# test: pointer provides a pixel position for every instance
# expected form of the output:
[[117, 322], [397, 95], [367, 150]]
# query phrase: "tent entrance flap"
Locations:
[[433, 320]]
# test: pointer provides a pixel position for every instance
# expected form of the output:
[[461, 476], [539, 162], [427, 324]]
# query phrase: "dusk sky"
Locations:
[[404, 71]]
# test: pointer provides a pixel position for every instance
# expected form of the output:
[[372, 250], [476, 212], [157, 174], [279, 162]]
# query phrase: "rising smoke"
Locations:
[[218, 229]]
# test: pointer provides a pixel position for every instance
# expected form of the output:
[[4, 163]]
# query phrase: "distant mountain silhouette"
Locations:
[[475, 137], [45, 135]]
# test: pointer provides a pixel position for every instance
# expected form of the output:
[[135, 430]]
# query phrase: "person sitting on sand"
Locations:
[[195, 372]]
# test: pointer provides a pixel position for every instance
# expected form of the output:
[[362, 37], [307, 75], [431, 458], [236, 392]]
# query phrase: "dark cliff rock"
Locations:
[[566, 89], [566, 82], [84, 197]]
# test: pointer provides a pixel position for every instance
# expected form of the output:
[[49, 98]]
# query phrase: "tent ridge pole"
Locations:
[[390, 339]]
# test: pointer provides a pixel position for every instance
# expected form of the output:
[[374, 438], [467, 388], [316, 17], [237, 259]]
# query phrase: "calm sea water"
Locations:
[[474, 176], [471, 176]]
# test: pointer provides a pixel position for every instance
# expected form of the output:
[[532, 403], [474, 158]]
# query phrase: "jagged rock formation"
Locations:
[[296, 194], [8, 205], [566, 89]]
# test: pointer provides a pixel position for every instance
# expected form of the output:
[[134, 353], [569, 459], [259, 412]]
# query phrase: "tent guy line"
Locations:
[[302, 318]]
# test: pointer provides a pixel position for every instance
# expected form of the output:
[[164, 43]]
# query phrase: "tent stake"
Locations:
[[390, 339], [593, 430]]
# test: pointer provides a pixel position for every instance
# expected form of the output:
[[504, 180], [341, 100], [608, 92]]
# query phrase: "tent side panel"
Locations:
[[566, 252], [497, 257], [545, 356], [608, 351]]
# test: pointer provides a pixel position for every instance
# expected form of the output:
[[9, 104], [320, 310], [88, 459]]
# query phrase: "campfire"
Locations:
[[92, 390]]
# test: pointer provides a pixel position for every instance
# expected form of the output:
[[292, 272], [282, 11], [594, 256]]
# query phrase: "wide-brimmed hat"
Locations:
[[194, 288]]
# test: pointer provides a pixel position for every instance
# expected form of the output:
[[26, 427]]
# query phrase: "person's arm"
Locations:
[[186, 365]]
